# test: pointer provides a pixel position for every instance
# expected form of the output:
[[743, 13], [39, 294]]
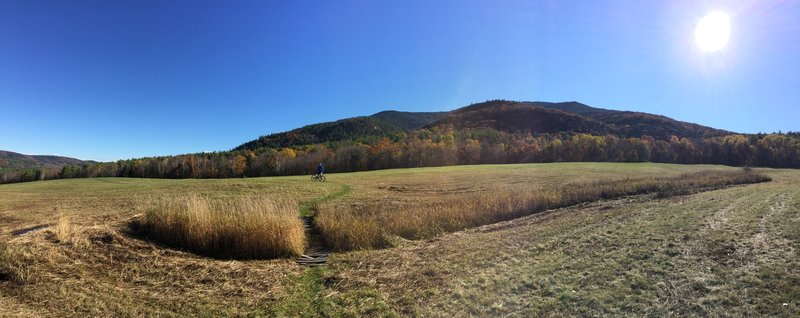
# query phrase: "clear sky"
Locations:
[[108, 80]]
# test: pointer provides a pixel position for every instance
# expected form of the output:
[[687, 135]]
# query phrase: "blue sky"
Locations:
[[108, 80]]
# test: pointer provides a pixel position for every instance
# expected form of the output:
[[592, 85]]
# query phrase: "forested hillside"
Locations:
[[490, 132], [501, 115], [16, 167], [542, 117], [13, 160], [516, 117], [363, 129]]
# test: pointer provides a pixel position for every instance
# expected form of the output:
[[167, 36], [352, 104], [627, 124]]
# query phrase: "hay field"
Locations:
[[730, 251]]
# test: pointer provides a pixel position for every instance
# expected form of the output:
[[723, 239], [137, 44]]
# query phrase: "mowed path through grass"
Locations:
[[307, 207], [634, 255]]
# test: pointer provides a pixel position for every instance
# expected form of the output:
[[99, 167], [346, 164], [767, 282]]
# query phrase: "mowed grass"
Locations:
[[733, 252], [716, 253]]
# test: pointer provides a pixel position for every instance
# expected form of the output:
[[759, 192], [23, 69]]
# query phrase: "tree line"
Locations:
[[441, 147]]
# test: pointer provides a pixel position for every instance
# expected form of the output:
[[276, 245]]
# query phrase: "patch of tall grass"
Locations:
[[241, 227], [63, 229], [372, 225]]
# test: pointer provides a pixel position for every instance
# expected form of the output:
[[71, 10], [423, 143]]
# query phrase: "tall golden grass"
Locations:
[[372, 225], [242, 227], [63, 229]]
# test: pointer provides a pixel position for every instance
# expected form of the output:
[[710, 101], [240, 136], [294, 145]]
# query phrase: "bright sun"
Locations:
[[712, 31]]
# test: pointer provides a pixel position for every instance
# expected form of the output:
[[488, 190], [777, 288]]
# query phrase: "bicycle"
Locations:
[[318, 177]]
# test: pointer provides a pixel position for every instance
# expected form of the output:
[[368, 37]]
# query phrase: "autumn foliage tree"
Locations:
[[440, 147]]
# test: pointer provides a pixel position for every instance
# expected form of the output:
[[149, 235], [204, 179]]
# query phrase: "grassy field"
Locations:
[[379, 222], [241, 227], [728, 252]]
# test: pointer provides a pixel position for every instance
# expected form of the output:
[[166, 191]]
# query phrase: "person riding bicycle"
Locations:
[[320, 169]]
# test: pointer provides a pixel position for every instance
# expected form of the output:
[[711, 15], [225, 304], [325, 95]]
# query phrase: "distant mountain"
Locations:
[[575, 108], [544, 117], [409, 120], [491, 132], [12, 161], [378, 125], [636, 124], [501, 115], [517, 117]]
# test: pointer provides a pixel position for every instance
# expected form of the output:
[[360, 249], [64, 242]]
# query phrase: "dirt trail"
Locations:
[[316, 252]]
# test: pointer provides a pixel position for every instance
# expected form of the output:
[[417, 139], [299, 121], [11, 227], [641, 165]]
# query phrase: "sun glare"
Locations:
[[712, 31]]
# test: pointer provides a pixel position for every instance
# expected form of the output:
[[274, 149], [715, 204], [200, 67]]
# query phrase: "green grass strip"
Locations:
[[307, 208]]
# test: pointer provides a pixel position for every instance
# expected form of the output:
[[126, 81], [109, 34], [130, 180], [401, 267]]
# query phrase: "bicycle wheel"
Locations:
[[322, 178], [313, 177]]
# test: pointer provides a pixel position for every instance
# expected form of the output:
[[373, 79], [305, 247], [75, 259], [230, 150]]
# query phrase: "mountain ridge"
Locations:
[[503, 115], [536, 117], [10, 160], [491, 132], [380, 124]]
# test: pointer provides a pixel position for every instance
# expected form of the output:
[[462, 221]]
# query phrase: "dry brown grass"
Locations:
[[13, 265], [687, 256], [115, 275], [63, 229], [243, 227], [372, 225], [516, 268]]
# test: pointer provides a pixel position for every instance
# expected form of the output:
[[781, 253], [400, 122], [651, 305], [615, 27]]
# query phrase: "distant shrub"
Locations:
[[245, 227]]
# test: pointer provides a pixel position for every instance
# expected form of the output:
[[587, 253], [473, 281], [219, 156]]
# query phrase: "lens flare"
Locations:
[[712, 31]]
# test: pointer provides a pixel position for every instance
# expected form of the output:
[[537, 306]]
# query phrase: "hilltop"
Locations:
[[499, 115], [380, 124], [573, 116], [14, 161]]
